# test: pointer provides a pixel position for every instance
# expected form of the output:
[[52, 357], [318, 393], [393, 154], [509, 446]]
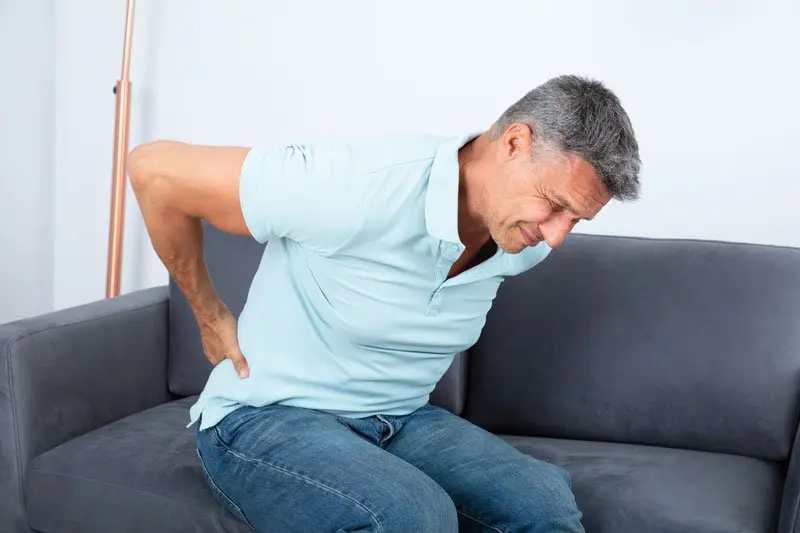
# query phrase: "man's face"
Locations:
[[529, 200]]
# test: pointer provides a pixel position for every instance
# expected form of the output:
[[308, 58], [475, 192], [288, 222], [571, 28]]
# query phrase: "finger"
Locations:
[[240, 364]]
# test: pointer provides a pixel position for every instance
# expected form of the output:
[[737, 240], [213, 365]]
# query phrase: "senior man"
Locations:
[[383, 257]]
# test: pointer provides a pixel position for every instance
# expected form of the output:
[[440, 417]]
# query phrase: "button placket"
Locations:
[[449, 255]]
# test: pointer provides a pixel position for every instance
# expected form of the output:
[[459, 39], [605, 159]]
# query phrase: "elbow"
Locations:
[[142, 162], [139, 164]]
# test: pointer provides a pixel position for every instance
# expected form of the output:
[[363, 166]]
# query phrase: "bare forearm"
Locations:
[[178, 241], [177, 185]]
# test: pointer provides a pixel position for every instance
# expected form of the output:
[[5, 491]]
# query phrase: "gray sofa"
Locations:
[[663, 374]]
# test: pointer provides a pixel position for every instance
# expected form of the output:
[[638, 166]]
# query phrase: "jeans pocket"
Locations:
[[227, 428], [220, 495]]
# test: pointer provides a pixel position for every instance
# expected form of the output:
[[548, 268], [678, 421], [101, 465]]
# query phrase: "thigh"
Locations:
[[494, 486], [288, 469]]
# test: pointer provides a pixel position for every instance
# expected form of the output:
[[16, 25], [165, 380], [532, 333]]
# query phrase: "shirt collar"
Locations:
[[441, 200]]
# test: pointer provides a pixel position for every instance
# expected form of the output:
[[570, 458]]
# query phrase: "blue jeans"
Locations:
[[285, 469]]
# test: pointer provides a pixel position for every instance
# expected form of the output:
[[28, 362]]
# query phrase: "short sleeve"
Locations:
[[313, 195]]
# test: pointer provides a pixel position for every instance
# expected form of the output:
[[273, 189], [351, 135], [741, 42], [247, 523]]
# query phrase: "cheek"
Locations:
[[531, 212], [510, 205]]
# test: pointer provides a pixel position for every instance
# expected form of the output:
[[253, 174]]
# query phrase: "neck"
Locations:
[[472, 228]]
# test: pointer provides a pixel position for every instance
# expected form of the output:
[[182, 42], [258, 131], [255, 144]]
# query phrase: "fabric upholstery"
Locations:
[[65, 373], [232, 262], [141, 474], [686, 344], [451, 391], [137, 474], [682, 344], [624, 488], [790, 504]]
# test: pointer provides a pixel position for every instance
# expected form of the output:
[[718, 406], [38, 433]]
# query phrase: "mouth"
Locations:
[[527, 239]]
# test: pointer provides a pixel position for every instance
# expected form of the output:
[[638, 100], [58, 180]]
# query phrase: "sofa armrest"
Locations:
[[790, 505], [65, 373]]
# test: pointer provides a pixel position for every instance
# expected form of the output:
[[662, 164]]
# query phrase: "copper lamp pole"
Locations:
[[121, 129]]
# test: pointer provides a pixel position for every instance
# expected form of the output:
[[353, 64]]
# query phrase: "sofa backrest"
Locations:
[[232, 262], [675, 343]]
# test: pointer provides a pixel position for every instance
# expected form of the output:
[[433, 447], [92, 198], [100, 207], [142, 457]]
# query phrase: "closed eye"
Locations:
[[558, 207]]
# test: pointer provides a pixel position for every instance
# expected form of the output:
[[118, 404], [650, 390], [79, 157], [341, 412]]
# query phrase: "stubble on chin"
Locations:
[[511, 243]]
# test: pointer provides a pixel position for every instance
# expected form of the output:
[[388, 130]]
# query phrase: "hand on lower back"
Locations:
[[220, 341]]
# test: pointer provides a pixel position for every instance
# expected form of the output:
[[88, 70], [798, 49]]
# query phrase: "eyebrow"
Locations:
[[563, 201]]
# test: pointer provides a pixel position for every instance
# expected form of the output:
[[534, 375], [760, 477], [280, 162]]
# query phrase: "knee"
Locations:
[[554, 508], [424, 507]]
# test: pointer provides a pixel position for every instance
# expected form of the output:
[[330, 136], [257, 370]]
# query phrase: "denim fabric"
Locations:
[[291, 469]]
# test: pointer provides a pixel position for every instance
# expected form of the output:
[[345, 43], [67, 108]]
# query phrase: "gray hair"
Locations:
[[581, 116]]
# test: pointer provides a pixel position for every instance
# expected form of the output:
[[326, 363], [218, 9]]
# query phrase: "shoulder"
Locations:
[[389, 150]]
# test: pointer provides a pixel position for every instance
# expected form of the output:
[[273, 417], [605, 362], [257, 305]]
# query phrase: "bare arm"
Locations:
[[176, 185]]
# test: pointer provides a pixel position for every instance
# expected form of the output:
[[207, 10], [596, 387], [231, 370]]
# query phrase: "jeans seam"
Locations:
[[222, 492], [310, 481], [481, 522]]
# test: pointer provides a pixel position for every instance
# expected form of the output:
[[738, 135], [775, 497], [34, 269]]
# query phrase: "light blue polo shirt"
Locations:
[[350, 311]]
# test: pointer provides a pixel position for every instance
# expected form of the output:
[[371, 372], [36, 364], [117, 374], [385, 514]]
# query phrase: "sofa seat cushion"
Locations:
[[141, 474], [624, 488], [137, 474]]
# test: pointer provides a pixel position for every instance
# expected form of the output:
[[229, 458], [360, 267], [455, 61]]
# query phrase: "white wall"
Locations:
[[27, 139], [89, 38], [711, 88]]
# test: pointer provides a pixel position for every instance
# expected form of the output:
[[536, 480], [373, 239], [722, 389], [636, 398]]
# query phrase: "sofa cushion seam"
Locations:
[[119, 486], [793, 526], [794, 459], [15, 419]]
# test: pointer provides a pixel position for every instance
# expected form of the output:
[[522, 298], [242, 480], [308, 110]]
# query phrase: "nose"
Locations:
[[555, 230]]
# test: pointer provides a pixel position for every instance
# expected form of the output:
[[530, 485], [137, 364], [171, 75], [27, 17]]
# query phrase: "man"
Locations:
[[383, 258]]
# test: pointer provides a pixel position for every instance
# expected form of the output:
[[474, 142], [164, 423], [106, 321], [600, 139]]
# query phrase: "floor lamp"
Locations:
[[121, 129]]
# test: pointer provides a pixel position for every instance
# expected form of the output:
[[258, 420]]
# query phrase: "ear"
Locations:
[[517, 139]]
